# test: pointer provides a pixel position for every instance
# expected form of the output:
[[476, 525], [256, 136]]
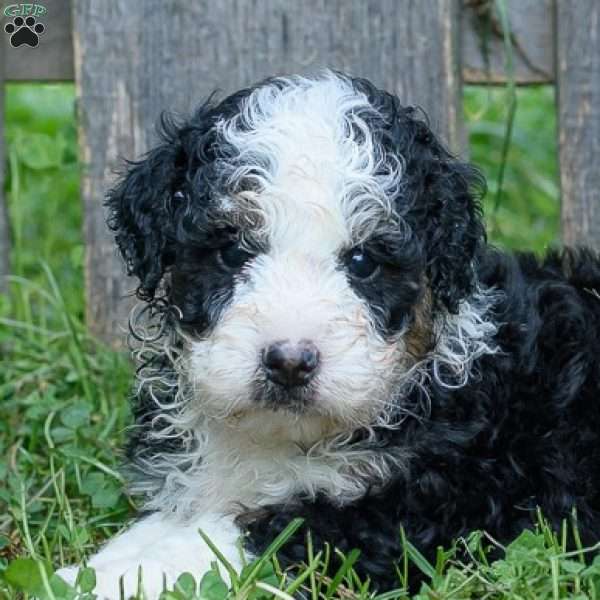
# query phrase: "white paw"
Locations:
[[69, 574], [162, 548], [113, 576]]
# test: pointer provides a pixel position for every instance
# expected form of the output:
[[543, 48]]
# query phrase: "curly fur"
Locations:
[[458, 385]]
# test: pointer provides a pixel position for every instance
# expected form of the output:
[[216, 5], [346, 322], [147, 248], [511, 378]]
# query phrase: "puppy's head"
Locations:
[[309, 234]]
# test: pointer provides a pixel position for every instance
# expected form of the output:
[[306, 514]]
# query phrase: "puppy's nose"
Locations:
[[290, 364]]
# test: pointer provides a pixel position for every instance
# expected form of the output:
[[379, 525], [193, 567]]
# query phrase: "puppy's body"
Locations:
[[522, 434], [329, 337]]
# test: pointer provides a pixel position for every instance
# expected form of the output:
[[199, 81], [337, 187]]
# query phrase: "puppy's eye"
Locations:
[[360, 264], [233, 256]]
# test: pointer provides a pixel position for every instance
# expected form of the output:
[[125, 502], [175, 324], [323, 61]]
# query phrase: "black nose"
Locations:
[[290, 364]]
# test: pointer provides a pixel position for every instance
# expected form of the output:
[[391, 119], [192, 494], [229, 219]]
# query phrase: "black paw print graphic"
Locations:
[[24, 31]]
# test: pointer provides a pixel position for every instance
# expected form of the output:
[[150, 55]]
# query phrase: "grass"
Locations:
[[63, 408], [527, 215]]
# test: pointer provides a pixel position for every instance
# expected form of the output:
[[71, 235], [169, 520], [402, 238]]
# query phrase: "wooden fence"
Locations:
[[130, 60]]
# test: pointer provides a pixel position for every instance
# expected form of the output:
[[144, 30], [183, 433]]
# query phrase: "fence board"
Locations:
[[578, 78], [532, 28], [52, 60], [532, 22], [129, 68]]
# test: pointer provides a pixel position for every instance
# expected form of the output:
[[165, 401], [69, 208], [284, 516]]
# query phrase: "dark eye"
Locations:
[[360, 264], [233, 256]]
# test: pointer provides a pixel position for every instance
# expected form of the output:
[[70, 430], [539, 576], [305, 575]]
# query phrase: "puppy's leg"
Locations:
[[163, 548]]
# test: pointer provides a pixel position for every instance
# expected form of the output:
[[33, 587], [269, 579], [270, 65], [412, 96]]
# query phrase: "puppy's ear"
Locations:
[[140, 211], [445, 200]]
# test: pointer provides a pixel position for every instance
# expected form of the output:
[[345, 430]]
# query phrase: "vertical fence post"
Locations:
[[430, 64], [578, 91], [108, 131]]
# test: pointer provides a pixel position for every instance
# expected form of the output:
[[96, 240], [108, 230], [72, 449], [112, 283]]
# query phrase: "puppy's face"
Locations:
[[305, 229]]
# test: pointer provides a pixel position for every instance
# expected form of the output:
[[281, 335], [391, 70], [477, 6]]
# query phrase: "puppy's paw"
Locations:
[[68, 574], [149, 576]]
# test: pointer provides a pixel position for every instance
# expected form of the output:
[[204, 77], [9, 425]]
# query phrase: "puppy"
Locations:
[[327, 335]]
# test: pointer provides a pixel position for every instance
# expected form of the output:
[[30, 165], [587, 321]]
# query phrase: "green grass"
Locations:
[[527, 215], [63, 396]]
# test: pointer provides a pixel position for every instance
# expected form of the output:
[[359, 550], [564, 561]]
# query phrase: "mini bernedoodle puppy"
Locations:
[[327, 335]]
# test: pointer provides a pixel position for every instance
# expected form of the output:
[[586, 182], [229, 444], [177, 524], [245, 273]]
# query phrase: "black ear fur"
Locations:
[[140, 213], [440, 198], [455, 232], [444, 195]]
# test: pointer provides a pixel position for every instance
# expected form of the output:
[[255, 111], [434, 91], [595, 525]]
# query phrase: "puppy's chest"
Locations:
[[253, 476]]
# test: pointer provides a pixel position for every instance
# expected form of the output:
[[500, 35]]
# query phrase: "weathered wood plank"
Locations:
[[129, 69], [52, 59], [532, 22], [578, 78], [532, 28], [4, 228]]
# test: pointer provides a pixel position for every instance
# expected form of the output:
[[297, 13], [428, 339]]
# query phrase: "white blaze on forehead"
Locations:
[[306, 146]]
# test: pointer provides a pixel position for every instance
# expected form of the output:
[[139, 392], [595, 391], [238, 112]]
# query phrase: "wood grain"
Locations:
[[578, 75], [129, 69], [52, 59], [532, 22], [482, 43]]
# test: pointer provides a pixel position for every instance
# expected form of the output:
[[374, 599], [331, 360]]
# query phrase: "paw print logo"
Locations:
[[24, 31]]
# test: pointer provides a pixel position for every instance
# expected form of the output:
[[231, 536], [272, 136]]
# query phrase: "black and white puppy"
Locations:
[[328, 336]]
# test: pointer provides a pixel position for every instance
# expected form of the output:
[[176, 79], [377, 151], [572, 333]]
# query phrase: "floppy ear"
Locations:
[[140, 212], [444, 195]]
